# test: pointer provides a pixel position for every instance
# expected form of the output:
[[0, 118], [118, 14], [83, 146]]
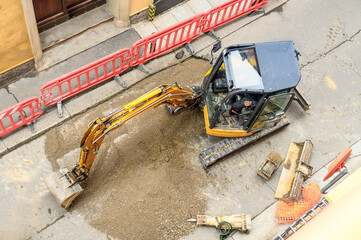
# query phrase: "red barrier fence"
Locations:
[[18, 115], [166, 39], [85, 77], [143, 50], [229, 11]]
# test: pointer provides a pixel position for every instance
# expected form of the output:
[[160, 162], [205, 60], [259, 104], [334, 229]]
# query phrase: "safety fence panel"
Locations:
[[166, 39], [18, 115], [229, 11], [85, 77]]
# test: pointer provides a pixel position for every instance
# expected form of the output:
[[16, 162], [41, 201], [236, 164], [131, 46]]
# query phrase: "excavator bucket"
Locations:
[[63, 187]]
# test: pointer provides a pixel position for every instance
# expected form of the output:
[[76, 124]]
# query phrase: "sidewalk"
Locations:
[[29, 87]]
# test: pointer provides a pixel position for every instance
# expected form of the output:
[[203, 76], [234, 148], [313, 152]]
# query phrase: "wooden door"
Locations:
[[49, 10], [50, 13]]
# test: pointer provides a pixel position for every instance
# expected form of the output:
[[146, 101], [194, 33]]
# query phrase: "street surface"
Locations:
[[152, 163]]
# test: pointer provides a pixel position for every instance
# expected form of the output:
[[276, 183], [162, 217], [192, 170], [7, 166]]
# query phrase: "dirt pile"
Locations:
[[146, 180]]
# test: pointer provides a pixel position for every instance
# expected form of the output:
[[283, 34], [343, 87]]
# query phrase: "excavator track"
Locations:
[[227, 146]]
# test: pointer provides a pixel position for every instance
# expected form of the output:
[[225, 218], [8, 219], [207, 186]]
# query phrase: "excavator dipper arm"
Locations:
[[64, 185]]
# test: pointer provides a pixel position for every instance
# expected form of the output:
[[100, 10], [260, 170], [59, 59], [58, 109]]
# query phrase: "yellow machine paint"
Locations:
[[223, 132], [219, 132]]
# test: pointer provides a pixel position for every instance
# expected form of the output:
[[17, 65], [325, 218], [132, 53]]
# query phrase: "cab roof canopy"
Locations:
[[277, 64]]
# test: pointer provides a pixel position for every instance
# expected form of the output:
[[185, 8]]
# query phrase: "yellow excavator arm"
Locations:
[[64, 185], [172, 95]]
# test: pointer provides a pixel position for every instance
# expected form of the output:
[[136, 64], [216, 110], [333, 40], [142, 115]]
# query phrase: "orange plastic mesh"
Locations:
[[287, 213]]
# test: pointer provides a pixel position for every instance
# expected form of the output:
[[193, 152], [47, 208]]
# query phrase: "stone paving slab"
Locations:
[[165, 20], [182, 12], [41, 125], [7, 99], [144, 28], [216, 2], [199, 6], [133, 77], [271, 5]]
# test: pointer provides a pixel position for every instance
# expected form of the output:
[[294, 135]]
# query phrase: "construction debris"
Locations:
[[295, 171], [241, 222], [340, 214], [287, 213], [271, 163]]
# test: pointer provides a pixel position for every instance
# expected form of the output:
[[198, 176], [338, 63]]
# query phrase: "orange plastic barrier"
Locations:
[[167, 39], [229, 11], [338, 163], [18, 115], [287, 213], [85, 77]]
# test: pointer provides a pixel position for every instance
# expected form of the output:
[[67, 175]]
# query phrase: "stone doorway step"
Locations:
[[77, 35]]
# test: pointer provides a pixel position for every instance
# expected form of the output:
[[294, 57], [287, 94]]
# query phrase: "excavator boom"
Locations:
[[64, 184]]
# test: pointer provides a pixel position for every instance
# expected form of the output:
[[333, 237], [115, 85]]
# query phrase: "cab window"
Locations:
[[217, 89], [273, 110], [243, 69]]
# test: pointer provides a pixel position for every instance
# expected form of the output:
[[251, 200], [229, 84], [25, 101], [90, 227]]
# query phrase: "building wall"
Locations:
[[15, 47], [137, 6]]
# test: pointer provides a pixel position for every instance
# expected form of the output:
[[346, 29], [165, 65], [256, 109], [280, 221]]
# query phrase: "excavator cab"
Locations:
[[250, 87]]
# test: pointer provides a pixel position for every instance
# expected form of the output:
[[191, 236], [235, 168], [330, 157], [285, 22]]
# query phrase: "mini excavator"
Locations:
[[244, 97]]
